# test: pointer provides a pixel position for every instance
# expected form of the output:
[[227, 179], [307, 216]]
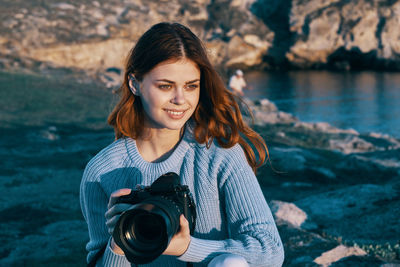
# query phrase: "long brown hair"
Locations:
[[217, 114]]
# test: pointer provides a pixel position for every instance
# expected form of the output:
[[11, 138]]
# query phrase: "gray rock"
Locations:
[[289, 213], [266, 112], [351, 144], [355, 213], [64, 6], [339, 252]]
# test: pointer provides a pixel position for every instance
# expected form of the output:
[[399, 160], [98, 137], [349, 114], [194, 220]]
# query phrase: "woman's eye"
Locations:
[[192, 86], [164, 86]]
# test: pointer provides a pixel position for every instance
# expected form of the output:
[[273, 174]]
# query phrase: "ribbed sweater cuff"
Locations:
[[200, 249], [111, 258]]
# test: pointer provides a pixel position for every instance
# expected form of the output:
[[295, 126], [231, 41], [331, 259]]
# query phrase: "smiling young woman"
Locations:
[[169, 94], [175, 115]]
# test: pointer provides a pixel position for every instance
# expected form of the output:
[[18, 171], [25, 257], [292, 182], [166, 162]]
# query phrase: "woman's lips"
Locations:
[[175, 114]]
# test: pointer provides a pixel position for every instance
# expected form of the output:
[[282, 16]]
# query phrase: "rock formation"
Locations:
[[345, 34], [97, 35], [94, 36]]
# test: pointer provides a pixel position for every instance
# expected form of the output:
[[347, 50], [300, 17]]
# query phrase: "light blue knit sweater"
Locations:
[[232, 214]]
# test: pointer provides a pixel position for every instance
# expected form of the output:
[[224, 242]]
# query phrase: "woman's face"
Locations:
[[170, 93]]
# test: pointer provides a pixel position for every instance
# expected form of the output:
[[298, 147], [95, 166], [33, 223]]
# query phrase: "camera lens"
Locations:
[[144, 231], [147, 228]]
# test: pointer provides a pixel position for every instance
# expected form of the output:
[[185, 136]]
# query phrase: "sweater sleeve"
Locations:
[[253, 233], [94, 204]]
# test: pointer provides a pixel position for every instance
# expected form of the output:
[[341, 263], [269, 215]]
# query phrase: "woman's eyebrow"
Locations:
[[193, 81], [169, 81], [164, 80]]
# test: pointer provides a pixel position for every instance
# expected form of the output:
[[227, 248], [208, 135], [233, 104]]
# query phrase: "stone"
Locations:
[[289, 213], [64, 6], [338, 253], [352, 144], [268, 106]]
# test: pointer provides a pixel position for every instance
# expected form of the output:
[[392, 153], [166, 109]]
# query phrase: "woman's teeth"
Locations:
[[175, 112]]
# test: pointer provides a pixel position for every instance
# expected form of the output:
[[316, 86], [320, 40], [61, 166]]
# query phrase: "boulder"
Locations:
[[339, 252], [290, 214]]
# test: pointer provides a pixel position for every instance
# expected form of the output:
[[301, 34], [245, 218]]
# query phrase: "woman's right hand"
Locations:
[[114, 212]]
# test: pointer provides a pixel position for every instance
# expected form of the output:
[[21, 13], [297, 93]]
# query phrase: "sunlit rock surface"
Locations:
[[258, 34], [345, 34], [98, 35]]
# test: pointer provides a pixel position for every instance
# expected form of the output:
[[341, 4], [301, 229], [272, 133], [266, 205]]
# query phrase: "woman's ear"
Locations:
[[134, 85]]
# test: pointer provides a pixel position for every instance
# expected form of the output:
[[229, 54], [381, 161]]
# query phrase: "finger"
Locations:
[[117, 209], [183, 219], [184, 225], [114, 196], [111, 224]]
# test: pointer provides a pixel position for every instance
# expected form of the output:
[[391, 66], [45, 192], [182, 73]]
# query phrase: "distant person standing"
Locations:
[[237, 83]]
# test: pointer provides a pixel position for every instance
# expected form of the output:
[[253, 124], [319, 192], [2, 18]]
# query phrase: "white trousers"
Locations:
[[228, 260]]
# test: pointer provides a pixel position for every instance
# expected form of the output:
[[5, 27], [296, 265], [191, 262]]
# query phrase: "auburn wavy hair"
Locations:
[[217, 115]]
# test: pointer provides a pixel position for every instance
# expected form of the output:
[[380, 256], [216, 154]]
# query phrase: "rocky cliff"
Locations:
[[96, 35], [345, 34]]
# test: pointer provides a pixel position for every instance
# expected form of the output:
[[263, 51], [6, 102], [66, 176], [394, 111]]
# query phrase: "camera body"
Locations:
[[144, 231]]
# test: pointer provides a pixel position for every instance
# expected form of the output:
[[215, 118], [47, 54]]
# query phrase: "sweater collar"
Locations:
[[172, 163]]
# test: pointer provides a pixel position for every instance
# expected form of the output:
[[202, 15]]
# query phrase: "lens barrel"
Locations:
[[144, 231]]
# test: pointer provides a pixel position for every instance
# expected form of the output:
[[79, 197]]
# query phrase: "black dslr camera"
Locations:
[[144, 231]]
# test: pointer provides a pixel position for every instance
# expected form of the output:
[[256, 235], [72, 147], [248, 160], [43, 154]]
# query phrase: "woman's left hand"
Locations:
[[180, 241]]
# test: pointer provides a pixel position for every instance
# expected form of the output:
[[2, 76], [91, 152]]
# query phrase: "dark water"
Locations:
[[364, 101]]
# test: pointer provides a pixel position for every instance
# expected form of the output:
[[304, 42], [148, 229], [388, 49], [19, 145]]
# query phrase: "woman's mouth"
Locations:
[[175, 114]]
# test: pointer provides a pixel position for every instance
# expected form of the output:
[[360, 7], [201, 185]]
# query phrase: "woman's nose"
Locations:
[[179, 97]]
